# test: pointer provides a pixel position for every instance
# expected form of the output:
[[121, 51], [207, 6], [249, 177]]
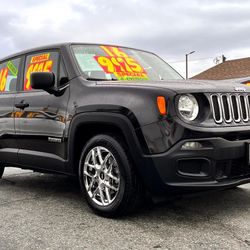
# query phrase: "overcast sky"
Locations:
[[171, 28]]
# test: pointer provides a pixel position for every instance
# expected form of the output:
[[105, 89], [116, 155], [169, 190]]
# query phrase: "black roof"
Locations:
[[49, 46], [60, 45]]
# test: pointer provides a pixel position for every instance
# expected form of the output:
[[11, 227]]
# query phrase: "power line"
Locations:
[[198, 59]]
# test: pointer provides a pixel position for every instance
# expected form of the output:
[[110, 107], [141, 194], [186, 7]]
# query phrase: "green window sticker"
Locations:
[[12, 68], [87, 62]]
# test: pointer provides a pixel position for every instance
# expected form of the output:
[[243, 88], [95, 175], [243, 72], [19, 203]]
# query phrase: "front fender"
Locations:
[[134, 140]]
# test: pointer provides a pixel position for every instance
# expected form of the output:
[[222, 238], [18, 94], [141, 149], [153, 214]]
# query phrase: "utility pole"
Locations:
[[187, 62]]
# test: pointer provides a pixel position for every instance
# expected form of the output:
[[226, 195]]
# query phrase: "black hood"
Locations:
[[188, 86]]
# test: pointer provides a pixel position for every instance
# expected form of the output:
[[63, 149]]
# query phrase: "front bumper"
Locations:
[[219, 163]]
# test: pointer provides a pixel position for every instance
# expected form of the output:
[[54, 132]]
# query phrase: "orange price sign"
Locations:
[[3, 78], [40, 63], [40, 58], [120, 64]]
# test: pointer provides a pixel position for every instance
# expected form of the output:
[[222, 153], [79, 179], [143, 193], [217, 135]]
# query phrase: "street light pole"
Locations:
[[187, 62]]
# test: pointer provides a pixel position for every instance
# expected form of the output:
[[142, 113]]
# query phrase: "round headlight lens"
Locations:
[[188, 107]]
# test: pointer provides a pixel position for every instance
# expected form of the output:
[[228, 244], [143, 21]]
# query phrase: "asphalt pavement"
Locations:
[[42, 211]]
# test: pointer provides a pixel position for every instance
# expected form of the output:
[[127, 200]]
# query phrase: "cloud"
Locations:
[[170, 28]]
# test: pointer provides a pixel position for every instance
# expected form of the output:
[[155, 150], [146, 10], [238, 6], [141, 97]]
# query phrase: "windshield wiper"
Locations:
[[100, 79]]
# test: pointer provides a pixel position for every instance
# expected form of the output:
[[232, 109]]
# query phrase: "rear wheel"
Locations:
[[1, 171], [107, 177]]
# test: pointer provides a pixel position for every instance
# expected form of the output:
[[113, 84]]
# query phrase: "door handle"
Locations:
[[22, 105]]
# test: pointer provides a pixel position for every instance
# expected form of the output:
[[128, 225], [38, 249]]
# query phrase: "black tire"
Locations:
[[1, 171], [129, 193]]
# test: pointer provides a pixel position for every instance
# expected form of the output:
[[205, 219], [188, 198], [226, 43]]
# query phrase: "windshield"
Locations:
[[118, 63]]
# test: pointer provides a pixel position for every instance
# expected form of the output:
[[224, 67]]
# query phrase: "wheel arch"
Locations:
[[85, 125]]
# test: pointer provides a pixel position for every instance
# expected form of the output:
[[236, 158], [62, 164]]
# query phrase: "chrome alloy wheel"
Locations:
[[101, 176]]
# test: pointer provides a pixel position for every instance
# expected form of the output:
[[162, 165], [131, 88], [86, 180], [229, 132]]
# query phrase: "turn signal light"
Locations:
[[161, 103]]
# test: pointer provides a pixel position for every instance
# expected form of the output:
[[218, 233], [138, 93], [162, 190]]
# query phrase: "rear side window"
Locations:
[[8, 75], [46, 61]]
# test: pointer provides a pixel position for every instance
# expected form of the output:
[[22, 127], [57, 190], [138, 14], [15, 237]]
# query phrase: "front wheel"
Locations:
[[107, 177], [1, 171]]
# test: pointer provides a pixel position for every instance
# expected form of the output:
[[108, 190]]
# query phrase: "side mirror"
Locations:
[[42, 80]]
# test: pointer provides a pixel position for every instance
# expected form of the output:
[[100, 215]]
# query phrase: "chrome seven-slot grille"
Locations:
[[230, 108]]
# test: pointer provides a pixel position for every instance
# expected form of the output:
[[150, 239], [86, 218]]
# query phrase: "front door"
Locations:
[[40, 117]]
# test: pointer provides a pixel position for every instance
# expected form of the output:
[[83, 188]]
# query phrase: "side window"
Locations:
[[8, 75], [45, 61]]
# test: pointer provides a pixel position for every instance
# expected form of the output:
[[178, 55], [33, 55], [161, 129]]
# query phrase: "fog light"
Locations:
[[191, 145]]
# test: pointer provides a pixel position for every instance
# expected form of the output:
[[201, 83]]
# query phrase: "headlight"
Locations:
[[188, 107]]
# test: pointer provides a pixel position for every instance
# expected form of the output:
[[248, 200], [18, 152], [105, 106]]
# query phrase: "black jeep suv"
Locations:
[[122, 121]]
